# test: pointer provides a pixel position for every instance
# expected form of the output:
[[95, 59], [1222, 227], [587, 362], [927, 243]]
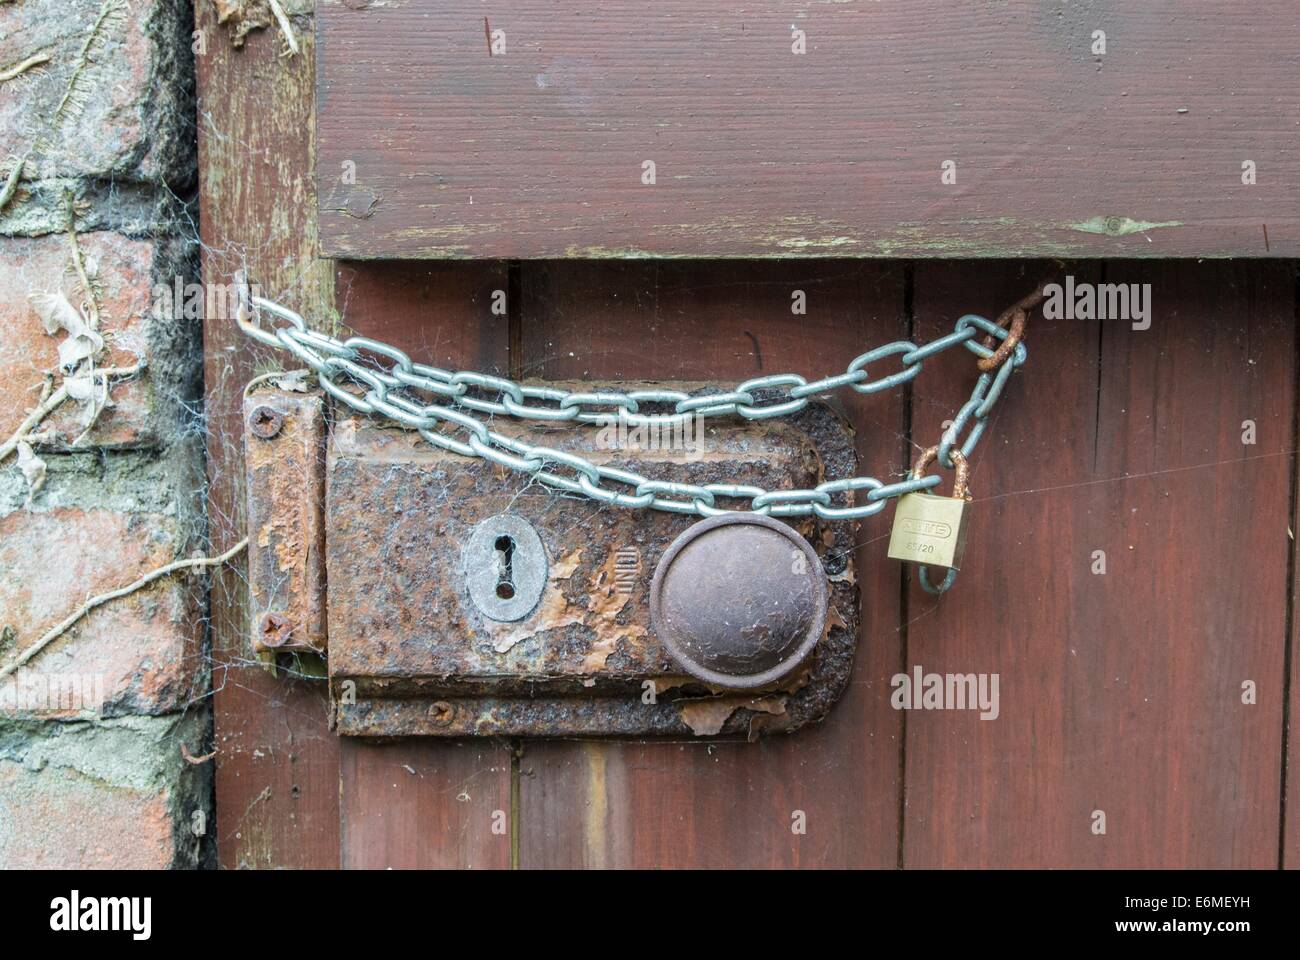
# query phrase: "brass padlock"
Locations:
[[929, 529]]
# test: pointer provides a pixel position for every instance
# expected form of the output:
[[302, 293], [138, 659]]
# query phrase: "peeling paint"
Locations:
[[706, 717]]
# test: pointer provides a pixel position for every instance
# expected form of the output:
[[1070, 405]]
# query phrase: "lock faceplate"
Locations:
[[415, 649]]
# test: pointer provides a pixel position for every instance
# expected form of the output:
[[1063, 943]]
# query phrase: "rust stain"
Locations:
[[834, 620], [285, 478], [599, 653], [606, 603], [553, 611], [706, 717]]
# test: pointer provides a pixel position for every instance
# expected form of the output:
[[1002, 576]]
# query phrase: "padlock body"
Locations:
[[929, 529]]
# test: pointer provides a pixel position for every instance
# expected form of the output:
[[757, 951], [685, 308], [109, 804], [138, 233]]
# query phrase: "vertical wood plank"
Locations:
[[696, 804], [1122, 692], [420, 804], [1289, 852], [426, 802], [277, 763], [280, 779]]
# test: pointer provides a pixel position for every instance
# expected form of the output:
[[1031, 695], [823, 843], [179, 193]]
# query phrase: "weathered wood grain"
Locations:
[[696, 804], [282, 776], [421, 805], [1121, 692], [277, 763], [1290, 846], [538, 150]]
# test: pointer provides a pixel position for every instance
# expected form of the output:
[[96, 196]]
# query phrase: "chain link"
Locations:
[[390, 378]]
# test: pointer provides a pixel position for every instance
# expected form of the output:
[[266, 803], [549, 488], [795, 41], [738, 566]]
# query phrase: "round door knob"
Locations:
[[739, 600]]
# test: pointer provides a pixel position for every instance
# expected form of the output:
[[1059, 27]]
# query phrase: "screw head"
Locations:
[[265, 422], [441, 713], [274, 629]]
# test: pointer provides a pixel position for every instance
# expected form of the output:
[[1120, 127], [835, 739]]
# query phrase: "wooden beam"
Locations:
[[277, 762], [459, 129]]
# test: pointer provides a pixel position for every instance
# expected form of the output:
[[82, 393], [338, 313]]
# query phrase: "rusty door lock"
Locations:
[[463, 600]]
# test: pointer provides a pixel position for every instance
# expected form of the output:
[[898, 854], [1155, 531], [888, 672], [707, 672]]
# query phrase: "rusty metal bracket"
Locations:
[[284, 436], [411, 653]]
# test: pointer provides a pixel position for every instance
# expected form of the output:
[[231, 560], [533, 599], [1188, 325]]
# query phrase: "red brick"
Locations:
[[143, 650], [125, 118], [56, 818], [44, 265]]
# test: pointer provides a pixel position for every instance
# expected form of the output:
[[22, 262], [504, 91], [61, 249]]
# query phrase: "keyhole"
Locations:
[[505, 573], [505, 568]]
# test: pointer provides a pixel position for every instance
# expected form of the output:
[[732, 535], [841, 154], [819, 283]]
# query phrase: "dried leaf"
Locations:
[[33, 468], [81, 387], [91, 392], [56, 313], [77, 347]]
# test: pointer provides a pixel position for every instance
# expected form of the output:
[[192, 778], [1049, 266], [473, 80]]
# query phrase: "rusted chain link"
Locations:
[[1012, 320], [390, 382], [960, 483]]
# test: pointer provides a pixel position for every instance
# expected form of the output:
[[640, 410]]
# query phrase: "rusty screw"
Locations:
[[275, 629], [441, 713], [265, 422]]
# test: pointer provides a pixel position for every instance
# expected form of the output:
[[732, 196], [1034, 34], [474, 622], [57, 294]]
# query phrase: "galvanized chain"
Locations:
[[391, 382]]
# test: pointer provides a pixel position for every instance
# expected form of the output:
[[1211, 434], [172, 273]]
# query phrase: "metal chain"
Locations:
[[391, 382]]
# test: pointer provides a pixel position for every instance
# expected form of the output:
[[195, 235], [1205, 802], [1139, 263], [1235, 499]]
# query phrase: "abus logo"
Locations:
[[73, 913], [927, 528]]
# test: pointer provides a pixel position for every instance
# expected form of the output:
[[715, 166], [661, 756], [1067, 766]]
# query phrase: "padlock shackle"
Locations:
[[961, 483]]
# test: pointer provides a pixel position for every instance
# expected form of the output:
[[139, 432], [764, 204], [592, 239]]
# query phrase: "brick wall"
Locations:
[[94, 730]]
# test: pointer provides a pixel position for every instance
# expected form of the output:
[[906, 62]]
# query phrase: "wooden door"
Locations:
[[1121, 692]]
